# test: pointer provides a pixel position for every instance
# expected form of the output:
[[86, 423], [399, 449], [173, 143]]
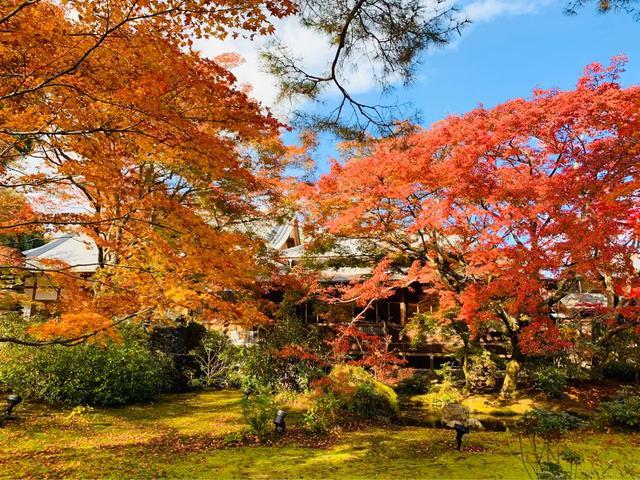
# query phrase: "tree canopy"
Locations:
[[387, 36], [502, 211], [111, 126]]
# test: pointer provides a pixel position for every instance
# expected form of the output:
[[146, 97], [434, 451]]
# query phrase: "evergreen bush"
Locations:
[[115, 373]]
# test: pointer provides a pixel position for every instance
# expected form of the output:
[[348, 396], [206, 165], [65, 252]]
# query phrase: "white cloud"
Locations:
[[250, 72], [482, 11], [309, 46], [316, 53], [486, 11]]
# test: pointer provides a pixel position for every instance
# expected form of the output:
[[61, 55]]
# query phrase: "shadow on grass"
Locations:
[[389, 453], [182, 436]]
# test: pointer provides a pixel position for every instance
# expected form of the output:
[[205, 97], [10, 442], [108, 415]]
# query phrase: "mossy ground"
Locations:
[[581, 400], [181, 436]]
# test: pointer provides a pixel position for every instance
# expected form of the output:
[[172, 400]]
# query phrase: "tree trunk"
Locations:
[[510, 384], [600, 352], [465, 369], [598, 359]]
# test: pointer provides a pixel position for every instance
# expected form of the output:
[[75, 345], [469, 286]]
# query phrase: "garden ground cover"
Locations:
[[195, 436]]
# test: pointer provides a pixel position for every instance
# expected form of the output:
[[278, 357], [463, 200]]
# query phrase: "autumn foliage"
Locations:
[[113, 126], [502, 211]]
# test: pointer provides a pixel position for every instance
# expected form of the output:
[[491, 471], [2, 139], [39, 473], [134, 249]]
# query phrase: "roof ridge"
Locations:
[[42, 249]]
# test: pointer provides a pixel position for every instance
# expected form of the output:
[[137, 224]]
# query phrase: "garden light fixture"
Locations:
[[279, 421], [461, 430], [12, 401]]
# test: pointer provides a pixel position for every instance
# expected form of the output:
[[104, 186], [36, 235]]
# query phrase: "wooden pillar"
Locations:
[[403, 308], [432, 363], [35, 287]]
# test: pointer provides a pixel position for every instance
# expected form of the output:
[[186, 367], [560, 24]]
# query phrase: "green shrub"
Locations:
[[445, 392], [215, 360], [262, 366], [347, 392], [324, 412], [418, 382], [258, 412], [623, 371], [550, 380], [622, 412], [482, 372], [287, 356], [576, 372], [543, 431], [363, 394], [175, 342], [117, 373], [369, 402], [548, 424]]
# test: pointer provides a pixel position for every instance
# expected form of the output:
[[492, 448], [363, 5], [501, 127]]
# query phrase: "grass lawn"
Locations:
[[183, 436]]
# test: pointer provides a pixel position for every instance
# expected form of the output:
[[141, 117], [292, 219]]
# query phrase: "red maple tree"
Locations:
[[503, 211]]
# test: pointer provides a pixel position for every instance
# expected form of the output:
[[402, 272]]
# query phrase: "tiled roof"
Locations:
[[78, 251], [81, 253]]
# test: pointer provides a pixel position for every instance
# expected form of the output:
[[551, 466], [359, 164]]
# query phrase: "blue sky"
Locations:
[[511, 47], [512, 54]]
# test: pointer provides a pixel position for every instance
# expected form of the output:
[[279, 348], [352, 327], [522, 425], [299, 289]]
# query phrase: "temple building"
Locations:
[[388, 317]]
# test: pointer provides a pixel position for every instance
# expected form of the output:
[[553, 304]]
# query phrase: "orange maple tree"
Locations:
[[113, 127], [502, 211]]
